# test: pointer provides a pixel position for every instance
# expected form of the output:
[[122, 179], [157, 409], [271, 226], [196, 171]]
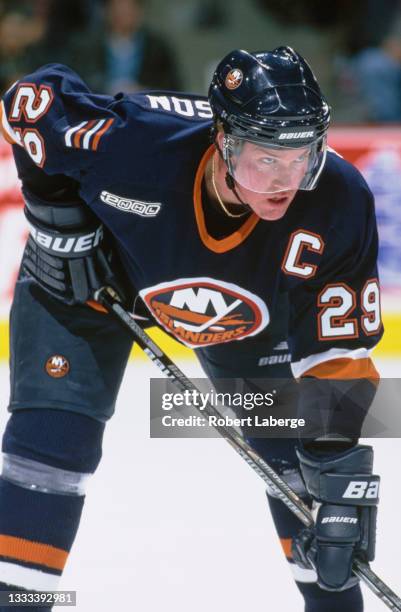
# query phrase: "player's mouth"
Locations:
[[274, 206], [279, 199]]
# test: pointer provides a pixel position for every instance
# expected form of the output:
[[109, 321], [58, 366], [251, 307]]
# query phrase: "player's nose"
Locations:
[[283, 180]]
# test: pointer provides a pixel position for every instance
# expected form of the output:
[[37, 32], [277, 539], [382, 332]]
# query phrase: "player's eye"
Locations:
[[268, 161], [302, 158]]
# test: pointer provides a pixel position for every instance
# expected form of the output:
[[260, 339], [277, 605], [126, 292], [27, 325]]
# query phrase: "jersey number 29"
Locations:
[[337, 303]]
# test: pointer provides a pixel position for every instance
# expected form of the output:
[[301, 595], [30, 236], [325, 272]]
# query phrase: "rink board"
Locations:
[[390, 346]]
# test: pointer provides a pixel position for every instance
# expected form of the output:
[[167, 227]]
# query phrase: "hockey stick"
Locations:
[[106, 297]]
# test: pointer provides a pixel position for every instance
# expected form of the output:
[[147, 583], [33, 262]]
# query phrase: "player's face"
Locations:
[[267, 170], [267, 179]]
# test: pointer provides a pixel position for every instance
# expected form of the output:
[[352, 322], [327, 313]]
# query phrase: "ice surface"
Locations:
[[178, 525]]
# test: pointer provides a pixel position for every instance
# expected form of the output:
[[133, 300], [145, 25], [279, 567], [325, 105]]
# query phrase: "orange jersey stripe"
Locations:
[[286, 545], [100, 133], [345, 368], [33, 552], [82, 131]]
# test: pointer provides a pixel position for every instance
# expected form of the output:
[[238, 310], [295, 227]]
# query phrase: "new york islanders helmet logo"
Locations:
[[205, 311], [234, 78]]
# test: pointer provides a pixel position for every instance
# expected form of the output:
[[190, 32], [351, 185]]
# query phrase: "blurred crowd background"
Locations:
[[354, 47], [125, 45]]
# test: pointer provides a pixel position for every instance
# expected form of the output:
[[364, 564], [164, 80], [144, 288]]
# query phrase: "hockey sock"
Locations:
[[47, 457], [36, 534]]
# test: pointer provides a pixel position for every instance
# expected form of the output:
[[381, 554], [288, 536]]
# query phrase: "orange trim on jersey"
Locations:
[[96, 306], [5, 135], [33, 552], [77, 136], [286, 545], [237, 237], [100, 133], [345, 368]]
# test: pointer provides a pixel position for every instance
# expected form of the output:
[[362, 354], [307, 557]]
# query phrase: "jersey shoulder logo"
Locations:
[[205, 311], [137, 207]]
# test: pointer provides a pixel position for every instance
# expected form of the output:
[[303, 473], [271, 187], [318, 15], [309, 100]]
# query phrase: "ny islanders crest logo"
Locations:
[[205, 311]]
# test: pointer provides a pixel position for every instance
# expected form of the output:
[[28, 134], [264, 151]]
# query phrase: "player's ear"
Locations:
[[219, 138]]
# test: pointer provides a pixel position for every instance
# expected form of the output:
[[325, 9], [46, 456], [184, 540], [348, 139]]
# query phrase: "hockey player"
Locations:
[[256, 249]]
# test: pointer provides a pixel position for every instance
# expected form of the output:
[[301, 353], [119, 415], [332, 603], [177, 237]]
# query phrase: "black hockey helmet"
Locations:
[[269, 96], [272, 100]]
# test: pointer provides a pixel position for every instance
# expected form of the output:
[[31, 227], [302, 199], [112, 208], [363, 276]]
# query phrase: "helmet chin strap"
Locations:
[[230, 182]]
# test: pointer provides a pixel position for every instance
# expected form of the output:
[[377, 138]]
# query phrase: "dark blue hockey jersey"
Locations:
[[140, 160]]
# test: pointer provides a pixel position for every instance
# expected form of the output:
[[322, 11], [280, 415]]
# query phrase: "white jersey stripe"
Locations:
[[299, 367], [69, 133], [89, 133], [28, 578]]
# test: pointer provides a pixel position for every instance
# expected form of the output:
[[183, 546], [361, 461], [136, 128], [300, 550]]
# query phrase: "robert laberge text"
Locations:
[[226, 421]]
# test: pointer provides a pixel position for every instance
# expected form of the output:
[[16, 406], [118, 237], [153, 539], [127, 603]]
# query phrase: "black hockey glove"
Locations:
[[346, 493], [67, 253]]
